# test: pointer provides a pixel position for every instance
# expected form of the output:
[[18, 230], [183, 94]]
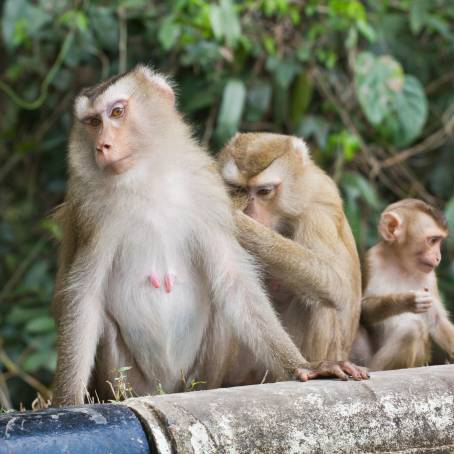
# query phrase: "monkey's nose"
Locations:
[[102, 147]]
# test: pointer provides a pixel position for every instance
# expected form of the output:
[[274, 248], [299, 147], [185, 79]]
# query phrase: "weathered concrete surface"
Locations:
[[397, 411]]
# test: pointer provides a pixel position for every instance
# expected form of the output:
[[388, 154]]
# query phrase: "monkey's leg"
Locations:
[[315, 330], [399, 352], [443, 335]]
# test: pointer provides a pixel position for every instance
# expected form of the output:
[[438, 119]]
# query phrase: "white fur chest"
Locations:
[[163, 329]]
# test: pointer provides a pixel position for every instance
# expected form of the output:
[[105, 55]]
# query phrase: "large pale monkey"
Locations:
[[291, 218], [150, 272], [402, 312]]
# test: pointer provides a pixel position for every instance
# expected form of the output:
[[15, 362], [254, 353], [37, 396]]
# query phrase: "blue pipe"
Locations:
[[91, 429]]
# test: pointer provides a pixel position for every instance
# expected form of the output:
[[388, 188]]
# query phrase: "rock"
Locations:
[[408, 410]]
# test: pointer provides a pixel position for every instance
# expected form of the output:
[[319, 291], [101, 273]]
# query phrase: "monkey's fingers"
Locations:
[[424, 299], [423, 307], [328, 369], [356, 372], [302, 374]]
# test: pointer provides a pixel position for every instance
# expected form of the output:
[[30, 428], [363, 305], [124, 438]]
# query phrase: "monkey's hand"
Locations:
[[419, 302], [239, 201], [339, 369]]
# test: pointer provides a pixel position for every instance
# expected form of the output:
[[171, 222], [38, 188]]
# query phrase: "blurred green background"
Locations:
[[369, 84]]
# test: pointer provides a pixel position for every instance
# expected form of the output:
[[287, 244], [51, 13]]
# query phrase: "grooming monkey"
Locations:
[[293, 222], [150, 273], [401, 309]]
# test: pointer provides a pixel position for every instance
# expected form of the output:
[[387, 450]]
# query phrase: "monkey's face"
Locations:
[[118, 119], [424, 239], [261, 171], [106, 125], [260, 202], [415, 237]]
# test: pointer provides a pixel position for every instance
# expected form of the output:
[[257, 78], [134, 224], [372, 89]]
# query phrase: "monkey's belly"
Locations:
[[162, 331]]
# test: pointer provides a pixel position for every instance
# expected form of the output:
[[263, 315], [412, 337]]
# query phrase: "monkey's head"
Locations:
[[118, 122], [415, 231], [262, 171]]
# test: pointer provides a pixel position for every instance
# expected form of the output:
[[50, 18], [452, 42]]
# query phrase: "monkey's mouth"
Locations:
[[427, 266], [120, 165]]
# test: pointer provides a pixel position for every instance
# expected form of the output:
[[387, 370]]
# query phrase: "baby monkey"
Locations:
[[401, 307]]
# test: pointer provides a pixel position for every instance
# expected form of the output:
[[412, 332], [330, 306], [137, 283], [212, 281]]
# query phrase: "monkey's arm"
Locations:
[[66, 253], [79, 330], [376, 308], [238, 293], [299, 270], [77, 308]]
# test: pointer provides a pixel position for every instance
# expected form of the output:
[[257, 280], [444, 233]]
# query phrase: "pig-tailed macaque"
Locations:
[[150, 272], [401, 309], [290, 217]]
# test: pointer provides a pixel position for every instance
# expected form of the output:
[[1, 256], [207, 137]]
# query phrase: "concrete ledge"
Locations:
[[408, 410]]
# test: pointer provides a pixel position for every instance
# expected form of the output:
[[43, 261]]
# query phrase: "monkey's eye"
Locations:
[[265, 190], [117, 111], [433, 240], [92, 121]]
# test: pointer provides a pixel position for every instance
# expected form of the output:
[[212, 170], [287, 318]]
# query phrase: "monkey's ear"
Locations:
[[159, 81], [391, 226], [301, 149]]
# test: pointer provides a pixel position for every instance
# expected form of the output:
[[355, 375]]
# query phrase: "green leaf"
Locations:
[[353, 214], [375, 81], [232, 28], [169, 31], [232, 105], [258, 100], [366, 30], [40, 359], [312, 125], [358, 187], [105, 27], [19, 315], [40, 325], [225, 23], [410, 108], [301, 97], [21, 19], [347, 142], [393, 102], [418, 14], [449, 212], [216, 21]]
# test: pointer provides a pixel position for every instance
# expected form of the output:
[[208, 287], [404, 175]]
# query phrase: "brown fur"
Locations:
[[316, 262], [401, 309]]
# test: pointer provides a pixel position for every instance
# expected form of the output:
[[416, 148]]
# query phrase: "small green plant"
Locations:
[[121, 389]]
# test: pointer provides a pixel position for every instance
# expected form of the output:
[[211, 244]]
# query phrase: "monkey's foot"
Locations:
[[339, 369], [169, 281]]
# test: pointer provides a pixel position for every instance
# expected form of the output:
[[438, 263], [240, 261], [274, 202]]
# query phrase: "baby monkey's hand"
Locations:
[[419, 302]]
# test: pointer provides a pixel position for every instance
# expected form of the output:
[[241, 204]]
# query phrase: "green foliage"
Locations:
[[389, 98], [368, 84]]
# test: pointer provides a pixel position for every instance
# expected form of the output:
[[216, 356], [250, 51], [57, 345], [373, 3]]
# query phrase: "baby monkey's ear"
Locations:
[[159, 81], [391, 226]]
